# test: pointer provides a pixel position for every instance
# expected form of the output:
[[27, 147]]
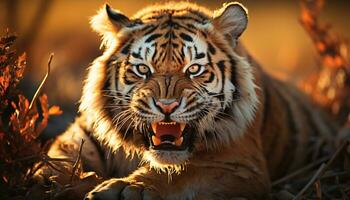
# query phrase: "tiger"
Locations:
[[176, 108]]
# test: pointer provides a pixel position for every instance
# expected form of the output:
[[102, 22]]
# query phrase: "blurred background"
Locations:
[[274, 37]]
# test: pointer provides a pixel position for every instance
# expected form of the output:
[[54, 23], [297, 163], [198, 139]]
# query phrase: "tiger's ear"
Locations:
[[108, 21], [231, 19]]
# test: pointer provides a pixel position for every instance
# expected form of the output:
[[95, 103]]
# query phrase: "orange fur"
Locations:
[[262, 134]]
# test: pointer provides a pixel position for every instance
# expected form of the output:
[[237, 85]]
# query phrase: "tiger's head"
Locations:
[[169, 83]]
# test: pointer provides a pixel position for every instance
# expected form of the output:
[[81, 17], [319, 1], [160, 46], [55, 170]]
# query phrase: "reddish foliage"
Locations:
[[330, 86], [328, 177], [20, 125]]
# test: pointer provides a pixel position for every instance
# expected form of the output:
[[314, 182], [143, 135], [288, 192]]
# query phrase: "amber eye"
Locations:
[[194, 70], [142, 69]]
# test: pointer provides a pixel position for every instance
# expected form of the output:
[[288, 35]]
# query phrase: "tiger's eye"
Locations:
[[142, 69], [193, 69]]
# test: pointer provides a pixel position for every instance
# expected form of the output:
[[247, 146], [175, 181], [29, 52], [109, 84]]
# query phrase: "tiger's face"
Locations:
[[173, 83]]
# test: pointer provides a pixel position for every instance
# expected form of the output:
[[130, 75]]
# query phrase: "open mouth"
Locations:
[[168, 136]]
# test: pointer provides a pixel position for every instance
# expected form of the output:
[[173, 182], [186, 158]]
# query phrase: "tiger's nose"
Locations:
[[166, 106]]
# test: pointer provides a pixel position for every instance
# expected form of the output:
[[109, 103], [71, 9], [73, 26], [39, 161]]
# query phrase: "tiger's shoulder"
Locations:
[[292, 123]]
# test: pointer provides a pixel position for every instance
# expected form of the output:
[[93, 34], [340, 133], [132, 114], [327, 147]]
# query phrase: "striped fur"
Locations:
[[246, 127]]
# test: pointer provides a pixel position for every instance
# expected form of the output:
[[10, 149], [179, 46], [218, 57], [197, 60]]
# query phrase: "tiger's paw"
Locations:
[[118, 189]]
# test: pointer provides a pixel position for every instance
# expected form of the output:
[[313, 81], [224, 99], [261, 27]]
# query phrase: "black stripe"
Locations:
[[129, 70], [126, 49], [147, 52], [234, 81], [191, 95], [188, 29], [177, 58], [170, 24], [131, 89], [221, 65], [143, 103], [152, 28], [182, 53], [155, 51], [106, 85], [127, 81], [141, 110], [203, 113], [167, 81], [191, 26], [212, 50], [209, 60], [163, 45], [169, 34], [136, 55], [189, 49], [175, 45], [210, 79], [190, 102], [117, 66], [233, 73], [188, 18], [205, 35], [198, 55], [186, 37], [152, 37], [192, 108]]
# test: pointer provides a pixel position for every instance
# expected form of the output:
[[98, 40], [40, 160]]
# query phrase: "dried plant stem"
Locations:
[[300, 171], [318, 189], [321, 170], [42, 82], [76, 164], [42, 157]]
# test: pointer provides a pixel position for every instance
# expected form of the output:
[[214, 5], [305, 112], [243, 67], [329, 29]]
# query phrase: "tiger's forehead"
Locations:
[[183, 10], [169, 45]]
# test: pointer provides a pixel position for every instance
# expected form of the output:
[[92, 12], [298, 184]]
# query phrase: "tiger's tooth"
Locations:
[[156, 141], [179, 141], [182, 126], [167, 123], [154, 127]]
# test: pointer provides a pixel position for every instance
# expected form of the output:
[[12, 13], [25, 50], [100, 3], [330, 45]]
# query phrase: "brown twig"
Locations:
[[53, 167], [312, 181], [42, 157], [300, 171], [335, 174], [318, 189], [321, 170], [35, 169], [76, 164], [42, 82]]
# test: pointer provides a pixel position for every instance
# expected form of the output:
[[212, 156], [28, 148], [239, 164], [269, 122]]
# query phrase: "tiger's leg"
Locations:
[[196, 183], [225, 175], [67, 146], [98, 161]]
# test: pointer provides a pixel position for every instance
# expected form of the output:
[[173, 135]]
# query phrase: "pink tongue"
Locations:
[[173, 130]]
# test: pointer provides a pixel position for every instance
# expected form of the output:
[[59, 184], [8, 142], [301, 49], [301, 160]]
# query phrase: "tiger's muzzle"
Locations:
[[168, 134]]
